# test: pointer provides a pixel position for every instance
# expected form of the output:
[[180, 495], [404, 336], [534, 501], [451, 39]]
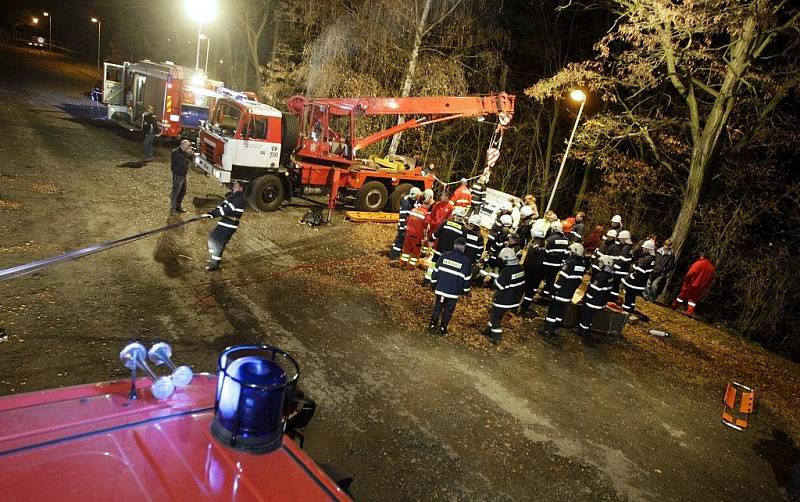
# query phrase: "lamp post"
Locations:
[[95, 20], [35, 25], [201, 11], [580, 97], [208, 47], [50, 31]]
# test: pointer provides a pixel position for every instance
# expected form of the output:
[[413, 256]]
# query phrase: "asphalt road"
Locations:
[[410, 417]]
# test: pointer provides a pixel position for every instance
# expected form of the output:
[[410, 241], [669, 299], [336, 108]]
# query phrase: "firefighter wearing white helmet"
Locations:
[[474, 237], [569, 278], [622, 262], [427, 196], [616, 223], [609, 247], [597, 293], [525, 225], [534, 267], [444, 238], [636, 281], [497, 240], [556, 249], [509, 288], [407, 203]]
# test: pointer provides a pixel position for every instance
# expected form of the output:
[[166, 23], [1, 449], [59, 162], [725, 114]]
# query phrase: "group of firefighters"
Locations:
[[525, 256]]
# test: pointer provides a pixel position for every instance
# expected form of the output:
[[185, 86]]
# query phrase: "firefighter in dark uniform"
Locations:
[[569, 278], [478, 192], [510, 286], [597, 293], [230, 211], [525, 226], [474, 237], [496, 242], [406, 205], [451, 279], [445, 237], [150, 130], [534, 271], [609, 247], [556, 252], [622, 262], [637, 279]]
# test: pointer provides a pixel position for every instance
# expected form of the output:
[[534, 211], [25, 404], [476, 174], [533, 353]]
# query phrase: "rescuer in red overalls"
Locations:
[[417, 226], [462, 197], [695, 284]]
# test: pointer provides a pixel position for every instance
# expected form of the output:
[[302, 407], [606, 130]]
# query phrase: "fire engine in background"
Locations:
[[180, 96], [313, 149]]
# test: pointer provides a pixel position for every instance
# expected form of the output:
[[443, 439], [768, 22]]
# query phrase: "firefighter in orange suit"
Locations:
[[462, 197], [417, 227], [696, 283]]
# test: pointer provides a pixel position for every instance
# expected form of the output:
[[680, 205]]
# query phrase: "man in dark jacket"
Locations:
[[665, 263], [635, 281], [510, 286], [578, 232], [230, 211], [556, 249], [569, 278], [534, 272], [181, 156], [622, 262], [474, 237], [597, 293], [609, 247], [444, 237], [150, 130], [478, 192], [451, 279]]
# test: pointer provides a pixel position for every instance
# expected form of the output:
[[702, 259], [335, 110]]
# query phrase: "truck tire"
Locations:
[[265, 193], [398, 193], [372, 196]]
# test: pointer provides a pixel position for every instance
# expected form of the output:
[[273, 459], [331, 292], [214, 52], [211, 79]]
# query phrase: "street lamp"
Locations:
[[50, 31], [578, 96], [36, 25], [201, 11], [95, 20], [208, 47]]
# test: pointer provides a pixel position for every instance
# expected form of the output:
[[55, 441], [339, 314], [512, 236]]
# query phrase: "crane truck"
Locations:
[[313, 149]]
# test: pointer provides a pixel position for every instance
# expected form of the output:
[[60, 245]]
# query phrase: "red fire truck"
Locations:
[[313, 150], [180, 96]]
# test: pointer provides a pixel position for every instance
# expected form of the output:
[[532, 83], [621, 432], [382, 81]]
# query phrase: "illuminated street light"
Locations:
[[201, 11], [579, 96], [50, 31], [35, 25], [95, 20]]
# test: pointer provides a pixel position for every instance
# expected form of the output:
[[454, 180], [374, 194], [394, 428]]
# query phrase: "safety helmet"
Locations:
[[526, 212], [506, 220], [463, 181], [459, 211], [607, 261], [616, 219], [576, 248], [539, 228], [414, 192], [508, 256], [475, 219], [612, 233], [427, 194], [556, 226], [625, 236], [649, 244], [507, 206]]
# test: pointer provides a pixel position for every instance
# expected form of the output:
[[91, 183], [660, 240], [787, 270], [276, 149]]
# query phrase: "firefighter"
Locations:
[[230, 211], [525, 225], [636, 281], [510, 286], [597, 293], [445, 236], [578, 231], [451, 279], [569, 278], [179, 164], [622, 262], [534, 270], [406, 205], [556, 252], [478, 193], [616, 223], [150, 130], [441, 211], [417, 227], [474, 237], [462, 196], [496, 242], [665, 262], [696, 283], [609, 247]]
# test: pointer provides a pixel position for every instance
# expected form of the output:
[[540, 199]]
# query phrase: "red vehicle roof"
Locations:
[[91, 443]]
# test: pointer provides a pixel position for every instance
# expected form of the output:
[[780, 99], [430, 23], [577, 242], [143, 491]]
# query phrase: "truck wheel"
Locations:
[[372, 196], [265, 193], [398, 193]]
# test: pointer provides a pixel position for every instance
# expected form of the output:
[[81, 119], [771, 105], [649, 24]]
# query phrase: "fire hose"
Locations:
[[27, 268]]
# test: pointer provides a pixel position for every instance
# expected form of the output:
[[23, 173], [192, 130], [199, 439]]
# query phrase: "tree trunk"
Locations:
[[582, 192], [411, 69]]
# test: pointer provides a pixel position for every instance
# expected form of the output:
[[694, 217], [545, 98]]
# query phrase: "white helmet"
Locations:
[[612, 233], [475, 219], [507, 206], [556, 226], [506, 220], [427, 194], [463, 181], [526, 212], [414, 192], [459, 211], [649, 244], [625, 237], [616, 219], [508, 256], [607, 261], [539, 228], [576, 248]]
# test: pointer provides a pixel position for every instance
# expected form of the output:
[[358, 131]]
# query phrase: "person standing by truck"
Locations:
[[181, 156], [151, 130], [230, 211]]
